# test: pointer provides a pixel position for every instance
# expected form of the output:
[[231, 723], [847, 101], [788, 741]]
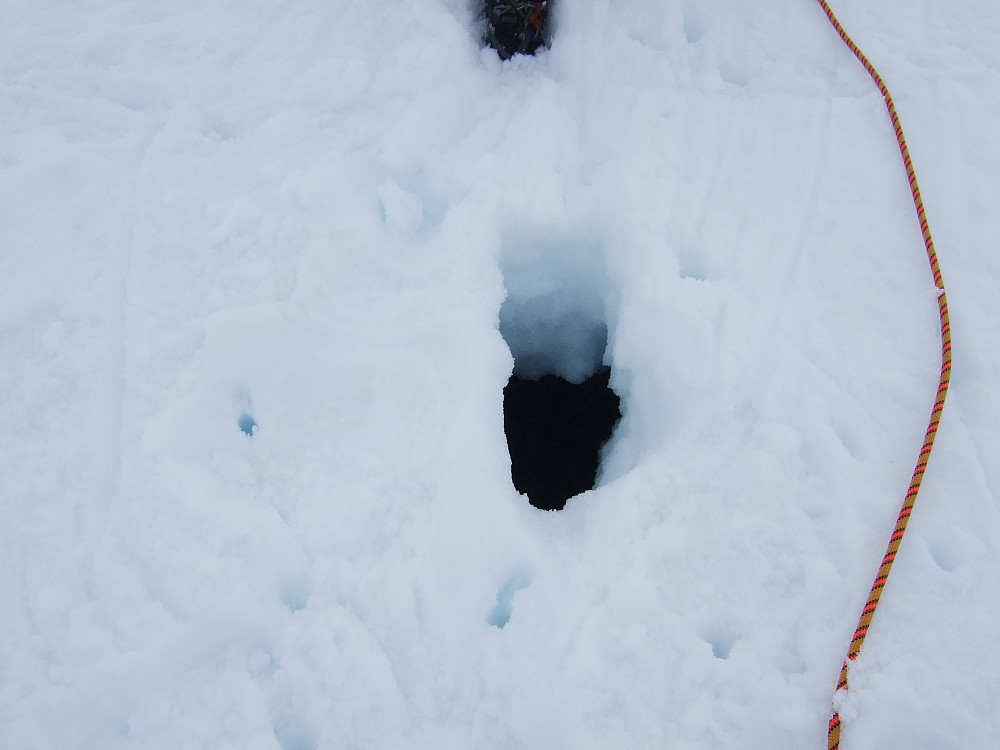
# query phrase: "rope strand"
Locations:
[[864, 623]]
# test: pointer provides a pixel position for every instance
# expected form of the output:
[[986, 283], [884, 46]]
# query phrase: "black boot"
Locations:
[[515, 27]]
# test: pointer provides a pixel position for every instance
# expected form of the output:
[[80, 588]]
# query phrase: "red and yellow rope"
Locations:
[[833, 736]]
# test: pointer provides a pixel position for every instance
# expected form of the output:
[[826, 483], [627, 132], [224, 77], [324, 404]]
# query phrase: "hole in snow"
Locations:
[[559, 409], [291, 733], [555, 431], [247, 424], [501, 612], [694, 22], [722, 640], [721, 647]]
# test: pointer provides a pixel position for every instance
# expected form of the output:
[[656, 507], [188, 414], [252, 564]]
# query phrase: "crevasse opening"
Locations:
[[559, 408]]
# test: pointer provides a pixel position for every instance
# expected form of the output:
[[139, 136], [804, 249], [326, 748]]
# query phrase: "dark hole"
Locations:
[[555, 430], [516, 27]]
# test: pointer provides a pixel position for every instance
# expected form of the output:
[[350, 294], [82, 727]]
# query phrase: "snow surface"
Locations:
[[300, 220]]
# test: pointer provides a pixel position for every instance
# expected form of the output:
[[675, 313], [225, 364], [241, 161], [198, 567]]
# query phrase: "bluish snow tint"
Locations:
[[555, 315], [326, 205]]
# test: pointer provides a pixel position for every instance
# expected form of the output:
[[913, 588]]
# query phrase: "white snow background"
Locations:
[[306, 215]]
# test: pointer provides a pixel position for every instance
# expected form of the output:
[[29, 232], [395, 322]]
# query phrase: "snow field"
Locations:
[[311, 215]]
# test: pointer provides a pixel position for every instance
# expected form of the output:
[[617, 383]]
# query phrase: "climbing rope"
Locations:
[[833, 736]]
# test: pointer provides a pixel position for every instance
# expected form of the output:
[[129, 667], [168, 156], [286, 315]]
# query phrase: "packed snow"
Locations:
[[266, 268]]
